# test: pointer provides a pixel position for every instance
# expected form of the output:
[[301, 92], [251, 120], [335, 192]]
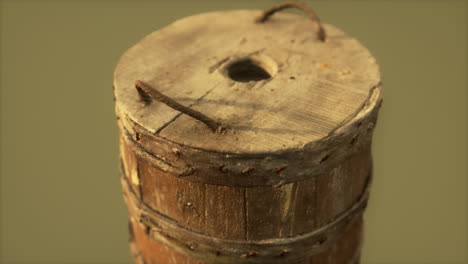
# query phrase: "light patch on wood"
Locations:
[[289, 195], [134, 176], [129, 163], [123, 156]]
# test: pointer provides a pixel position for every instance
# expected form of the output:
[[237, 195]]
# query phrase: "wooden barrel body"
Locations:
[[286, 180]]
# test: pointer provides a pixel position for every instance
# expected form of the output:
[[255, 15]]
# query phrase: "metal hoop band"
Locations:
[[215, 250]]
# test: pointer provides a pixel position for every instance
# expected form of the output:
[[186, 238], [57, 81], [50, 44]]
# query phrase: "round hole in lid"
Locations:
[[252, 68]]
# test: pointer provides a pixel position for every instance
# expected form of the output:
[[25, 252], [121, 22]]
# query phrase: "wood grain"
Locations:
[[292, 165], [186, 61]]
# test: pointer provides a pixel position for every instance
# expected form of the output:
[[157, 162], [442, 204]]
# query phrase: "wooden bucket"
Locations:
[[245, 138]]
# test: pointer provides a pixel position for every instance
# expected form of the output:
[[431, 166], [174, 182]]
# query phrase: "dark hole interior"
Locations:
[[246, 70]]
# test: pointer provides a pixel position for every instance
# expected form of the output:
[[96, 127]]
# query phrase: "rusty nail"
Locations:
[[248, 170], [324, 158], [147, 230], [189, 171], [148, 93], [279, 170], [176, 152], [320, 241], [191, 246], [250, 254], [279, 184], [223, 169]]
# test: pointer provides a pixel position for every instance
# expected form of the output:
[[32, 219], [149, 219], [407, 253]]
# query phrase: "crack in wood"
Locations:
[[179, 114]]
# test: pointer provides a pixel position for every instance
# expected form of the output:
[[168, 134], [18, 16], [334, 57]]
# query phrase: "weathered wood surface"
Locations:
[[294, 159], [255, 213], [331, 81]]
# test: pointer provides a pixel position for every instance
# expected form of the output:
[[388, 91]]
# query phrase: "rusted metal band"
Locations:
[[216, 250], [253, 169], [157, 161], [225, 170]]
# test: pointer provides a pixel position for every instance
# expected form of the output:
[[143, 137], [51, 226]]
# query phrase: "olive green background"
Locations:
[[60, 193]]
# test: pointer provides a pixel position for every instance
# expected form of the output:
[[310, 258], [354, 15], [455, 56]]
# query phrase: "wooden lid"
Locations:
[[307, 90]]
